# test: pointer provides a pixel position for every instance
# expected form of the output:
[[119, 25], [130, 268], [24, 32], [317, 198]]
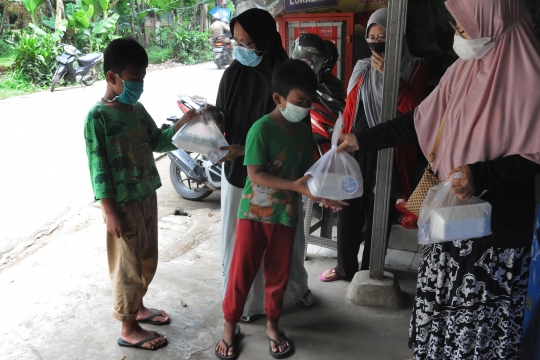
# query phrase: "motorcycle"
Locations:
[[86, 71], [222, 51], [324, 113], [193, 176]]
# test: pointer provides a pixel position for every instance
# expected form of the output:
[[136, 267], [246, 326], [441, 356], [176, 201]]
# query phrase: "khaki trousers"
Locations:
[[133, 258]]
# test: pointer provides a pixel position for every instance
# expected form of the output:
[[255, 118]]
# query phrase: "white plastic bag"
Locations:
[[336, 176], [201, 135], [443, 217]]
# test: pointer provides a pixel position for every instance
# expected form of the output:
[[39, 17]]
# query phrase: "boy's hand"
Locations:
[[234, 152], [334, 204], [347, 142], [115, 224], [300, 186], [187, 117]]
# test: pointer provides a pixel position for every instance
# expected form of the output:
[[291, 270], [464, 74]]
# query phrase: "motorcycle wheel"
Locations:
[[57, 77], [184, 186], [91, 77], [219, 62]]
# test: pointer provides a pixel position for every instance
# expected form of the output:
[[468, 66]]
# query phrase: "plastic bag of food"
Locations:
[[202, 135], [336, 176], [443, 217]]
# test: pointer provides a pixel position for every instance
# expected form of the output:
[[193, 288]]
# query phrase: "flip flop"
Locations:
[[282, 354], [307, 300], [148, 319], [329, 272], [124, 343], [228, 357]]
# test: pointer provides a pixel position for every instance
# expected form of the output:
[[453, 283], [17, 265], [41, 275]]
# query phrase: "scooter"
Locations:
[[86, 71], [222, 51], [193, 176]]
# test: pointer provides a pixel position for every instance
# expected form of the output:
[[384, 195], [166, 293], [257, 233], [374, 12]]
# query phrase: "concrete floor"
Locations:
[[56, 298]]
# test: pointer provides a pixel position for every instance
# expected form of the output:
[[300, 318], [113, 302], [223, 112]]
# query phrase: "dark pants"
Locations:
[[351, 221]]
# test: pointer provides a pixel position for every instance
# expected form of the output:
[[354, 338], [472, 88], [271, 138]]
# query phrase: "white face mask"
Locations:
[[472, 49], [294, 113]]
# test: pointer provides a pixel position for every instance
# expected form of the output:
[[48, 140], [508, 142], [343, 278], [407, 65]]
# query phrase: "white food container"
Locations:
[[460, 222], [333, 186]]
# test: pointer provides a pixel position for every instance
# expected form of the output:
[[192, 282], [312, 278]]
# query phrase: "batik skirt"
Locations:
[[469, 302]]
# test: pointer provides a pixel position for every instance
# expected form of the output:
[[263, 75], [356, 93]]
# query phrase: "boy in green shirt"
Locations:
[[120, 140], [278, 152]]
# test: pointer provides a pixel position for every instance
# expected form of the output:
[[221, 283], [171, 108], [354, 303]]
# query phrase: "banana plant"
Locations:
[[31, 6]]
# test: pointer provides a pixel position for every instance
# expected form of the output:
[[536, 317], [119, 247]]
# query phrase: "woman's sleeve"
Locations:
[[397, 132], [411, 96], [489, 174]]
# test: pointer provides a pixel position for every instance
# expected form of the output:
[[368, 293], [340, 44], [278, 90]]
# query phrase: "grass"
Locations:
[[13, 84], [7, 55], [157, 55]]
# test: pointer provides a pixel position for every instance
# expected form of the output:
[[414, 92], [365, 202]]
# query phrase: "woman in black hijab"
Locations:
[[244, 96]]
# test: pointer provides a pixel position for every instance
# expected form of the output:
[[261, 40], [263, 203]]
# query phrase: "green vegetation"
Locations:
[[36, 53], [31, 33], [16, 84], [157, 55], [7, 55]]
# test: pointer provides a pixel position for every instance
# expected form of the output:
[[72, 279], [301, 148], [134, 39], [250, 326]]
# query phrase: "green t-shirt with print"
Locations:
[[120, 146], [287, 156]]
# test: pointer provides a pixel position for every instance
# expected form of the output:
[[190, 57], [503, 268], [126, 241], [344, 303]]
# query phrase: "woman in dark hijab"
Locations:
[[244, 96]]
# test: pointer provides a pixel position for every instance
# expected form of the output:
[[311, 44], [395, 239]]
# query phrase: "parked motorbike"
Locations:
[[324, 113], [86, 71], [222, 51], [193, 176]]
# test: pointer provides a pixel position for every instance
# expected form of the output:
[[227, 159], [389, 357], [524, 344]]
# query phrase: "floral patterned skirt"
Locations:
[[469, 302]]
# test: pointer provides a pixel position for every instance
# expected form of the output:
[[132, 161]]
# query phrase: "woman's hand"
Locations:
[[377, 61], [463, 188], [234, 152], [347, 142], [300, 186], [216, 114]]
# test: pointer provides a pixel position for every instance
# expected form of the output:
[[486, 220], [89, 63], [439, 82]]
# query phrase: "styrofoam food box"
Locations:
[[461, 222], [196, 143], [333, 186]]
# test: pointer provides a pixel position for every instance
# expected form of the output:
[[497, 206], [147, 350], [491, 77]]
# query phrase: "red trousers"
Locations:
[[253, 241]]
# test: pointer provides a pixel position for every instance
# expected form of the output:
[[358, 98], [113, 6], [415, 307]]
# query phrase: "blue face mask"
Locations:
[[247, 57], [132, 91]]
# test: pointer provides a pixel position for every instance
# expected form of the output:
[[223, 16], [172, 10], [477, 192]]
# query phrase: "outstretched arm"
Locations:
[[397, 132], [258, 175]]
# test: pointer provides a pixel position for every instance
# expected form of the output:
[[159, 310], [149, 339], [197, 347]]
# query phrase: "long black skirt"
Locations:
[[469, 301]]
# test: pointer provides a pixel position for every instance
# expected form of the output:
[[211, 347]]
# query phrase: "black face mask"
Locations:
[[377, 47]]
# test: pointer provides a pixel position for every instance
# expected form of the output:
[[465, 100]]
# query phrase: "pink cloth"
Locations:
[[495, 109]]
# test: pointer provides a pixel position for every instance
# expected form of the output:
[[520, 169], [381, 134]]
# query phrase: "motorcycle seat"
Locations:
[[88, 59]]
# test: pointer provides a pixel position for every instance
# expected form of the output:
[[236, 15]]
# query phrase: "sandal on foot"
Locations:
[[227, 346], [279, 354], [124, 343], [307, 300], [324, 276], [148, 319]]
